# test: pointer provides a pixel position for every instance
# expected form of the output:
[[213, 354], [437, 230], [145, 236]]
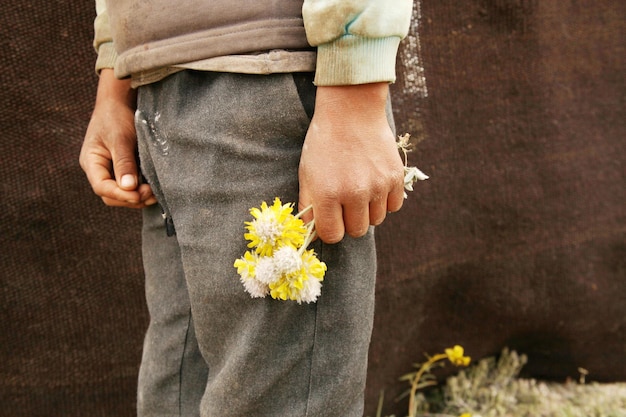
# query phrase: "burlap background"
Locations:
[[517, 239]]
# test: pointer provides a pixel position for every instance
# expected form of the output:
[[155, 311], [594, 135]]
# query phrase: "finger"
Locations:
[[146, 198], [108, 189], [329, 223], [125, 167], [356, 218], [146, 195], [98, 173], [378, 211], [395, 199], [117, 203]]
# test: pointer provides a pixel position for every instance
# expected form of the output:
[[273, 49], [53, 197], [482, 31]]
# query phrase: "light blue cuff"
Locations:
[[356, 60]]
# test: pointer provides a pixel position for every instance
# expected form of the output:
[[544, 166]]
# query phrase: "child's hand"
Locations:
[[350, 169], [108, 152]]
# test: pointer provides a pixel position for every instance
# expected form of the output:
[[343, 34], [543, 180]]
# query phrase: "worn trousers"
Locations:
[[212, 146]]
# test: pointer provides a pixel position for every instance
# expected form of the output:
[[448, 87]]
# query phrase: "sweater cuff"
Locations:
[[106, 56], [356, 60]]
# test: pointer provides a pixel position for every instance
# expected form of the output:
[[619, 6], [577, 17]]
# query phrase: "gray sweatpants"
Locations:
[[212, 146]]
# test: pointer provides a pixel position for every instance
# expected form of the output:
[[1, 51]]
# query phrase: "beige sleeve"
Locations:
[[103, 41]]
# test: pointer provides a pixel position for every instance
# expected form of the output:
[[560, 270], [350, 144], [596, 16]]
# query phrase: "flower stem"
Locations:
[[304, 211], [425, 367], [406, 157], [310, 235]]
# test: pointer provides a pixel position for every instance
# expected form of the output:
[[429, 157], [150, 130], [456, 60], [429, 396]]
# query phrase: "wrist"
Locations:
[[110, 88], [364, 98]]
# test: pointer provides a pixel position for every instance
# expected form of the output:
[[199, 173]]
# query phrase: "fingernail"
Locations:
[[127, 181]]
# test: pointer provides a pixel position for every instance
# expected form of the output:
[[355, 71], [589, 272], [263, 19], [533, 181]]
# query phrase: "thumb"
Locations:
[[125, 166]]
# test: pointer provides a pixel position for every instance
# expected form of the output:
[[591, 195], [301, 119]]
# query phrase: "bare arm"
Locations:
[[109, 148], [350, 170]]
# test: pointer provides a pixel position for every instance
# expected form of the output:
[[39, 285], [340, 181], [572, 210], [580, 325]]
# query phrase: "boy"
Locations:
[[219, 99]]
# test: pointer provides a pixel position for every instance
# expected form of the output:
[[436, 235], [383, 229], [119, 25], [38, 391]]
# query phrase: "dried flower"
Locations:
[[274, 226], [411, 174], [279, 264], [297, 279], [246, 268]]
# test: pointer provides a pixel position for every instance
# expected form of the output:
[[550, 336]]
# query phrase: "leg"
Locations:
[[173, 374], [222, 143]]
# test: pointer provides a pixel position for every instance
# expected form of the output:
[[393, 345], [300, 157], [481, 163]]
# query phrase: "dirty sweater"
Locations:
[[343, 41]]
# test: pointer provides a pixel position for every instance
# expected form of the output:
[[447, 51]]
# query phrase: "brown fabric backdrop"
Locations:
[[516, 240]]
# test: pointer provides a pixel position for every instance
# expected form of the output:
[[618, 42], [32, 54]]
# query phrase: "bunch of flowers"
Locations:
[[279, 263]]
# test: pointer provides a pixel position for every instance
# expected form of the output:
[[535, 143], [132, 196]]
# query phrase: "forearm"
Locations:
[[116, 90], [344, 104]]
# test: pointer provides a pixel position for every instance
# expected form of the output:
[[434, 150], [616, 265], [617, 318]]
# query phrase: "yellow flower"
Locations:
[[465, 415], [279, 264], [303, 284], [246, 268], [273, 227], [455, 355], [286, 287], [313, 267], [246, 265]]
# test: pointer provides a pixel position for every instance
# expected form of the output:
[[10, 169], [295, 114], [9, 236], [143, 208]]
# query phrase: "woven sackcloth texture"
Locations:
[[516, 240], [71, 290]]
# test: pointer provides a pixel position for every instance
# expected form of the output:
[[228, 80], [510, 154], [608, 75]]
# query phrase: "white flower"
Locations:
[[266, 270], [255, 288], [287, 260], [274, 226], [311, 289], [412, 174], [246, 266]]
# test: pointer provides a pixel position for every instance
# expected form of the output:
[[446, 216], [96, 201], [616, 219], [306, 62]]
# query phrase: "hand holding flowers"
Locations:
[[279, 263]]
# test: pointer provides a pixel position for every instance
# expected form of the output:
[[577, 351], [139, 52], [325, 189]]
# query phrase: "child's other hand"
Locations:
[[109, 148]]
